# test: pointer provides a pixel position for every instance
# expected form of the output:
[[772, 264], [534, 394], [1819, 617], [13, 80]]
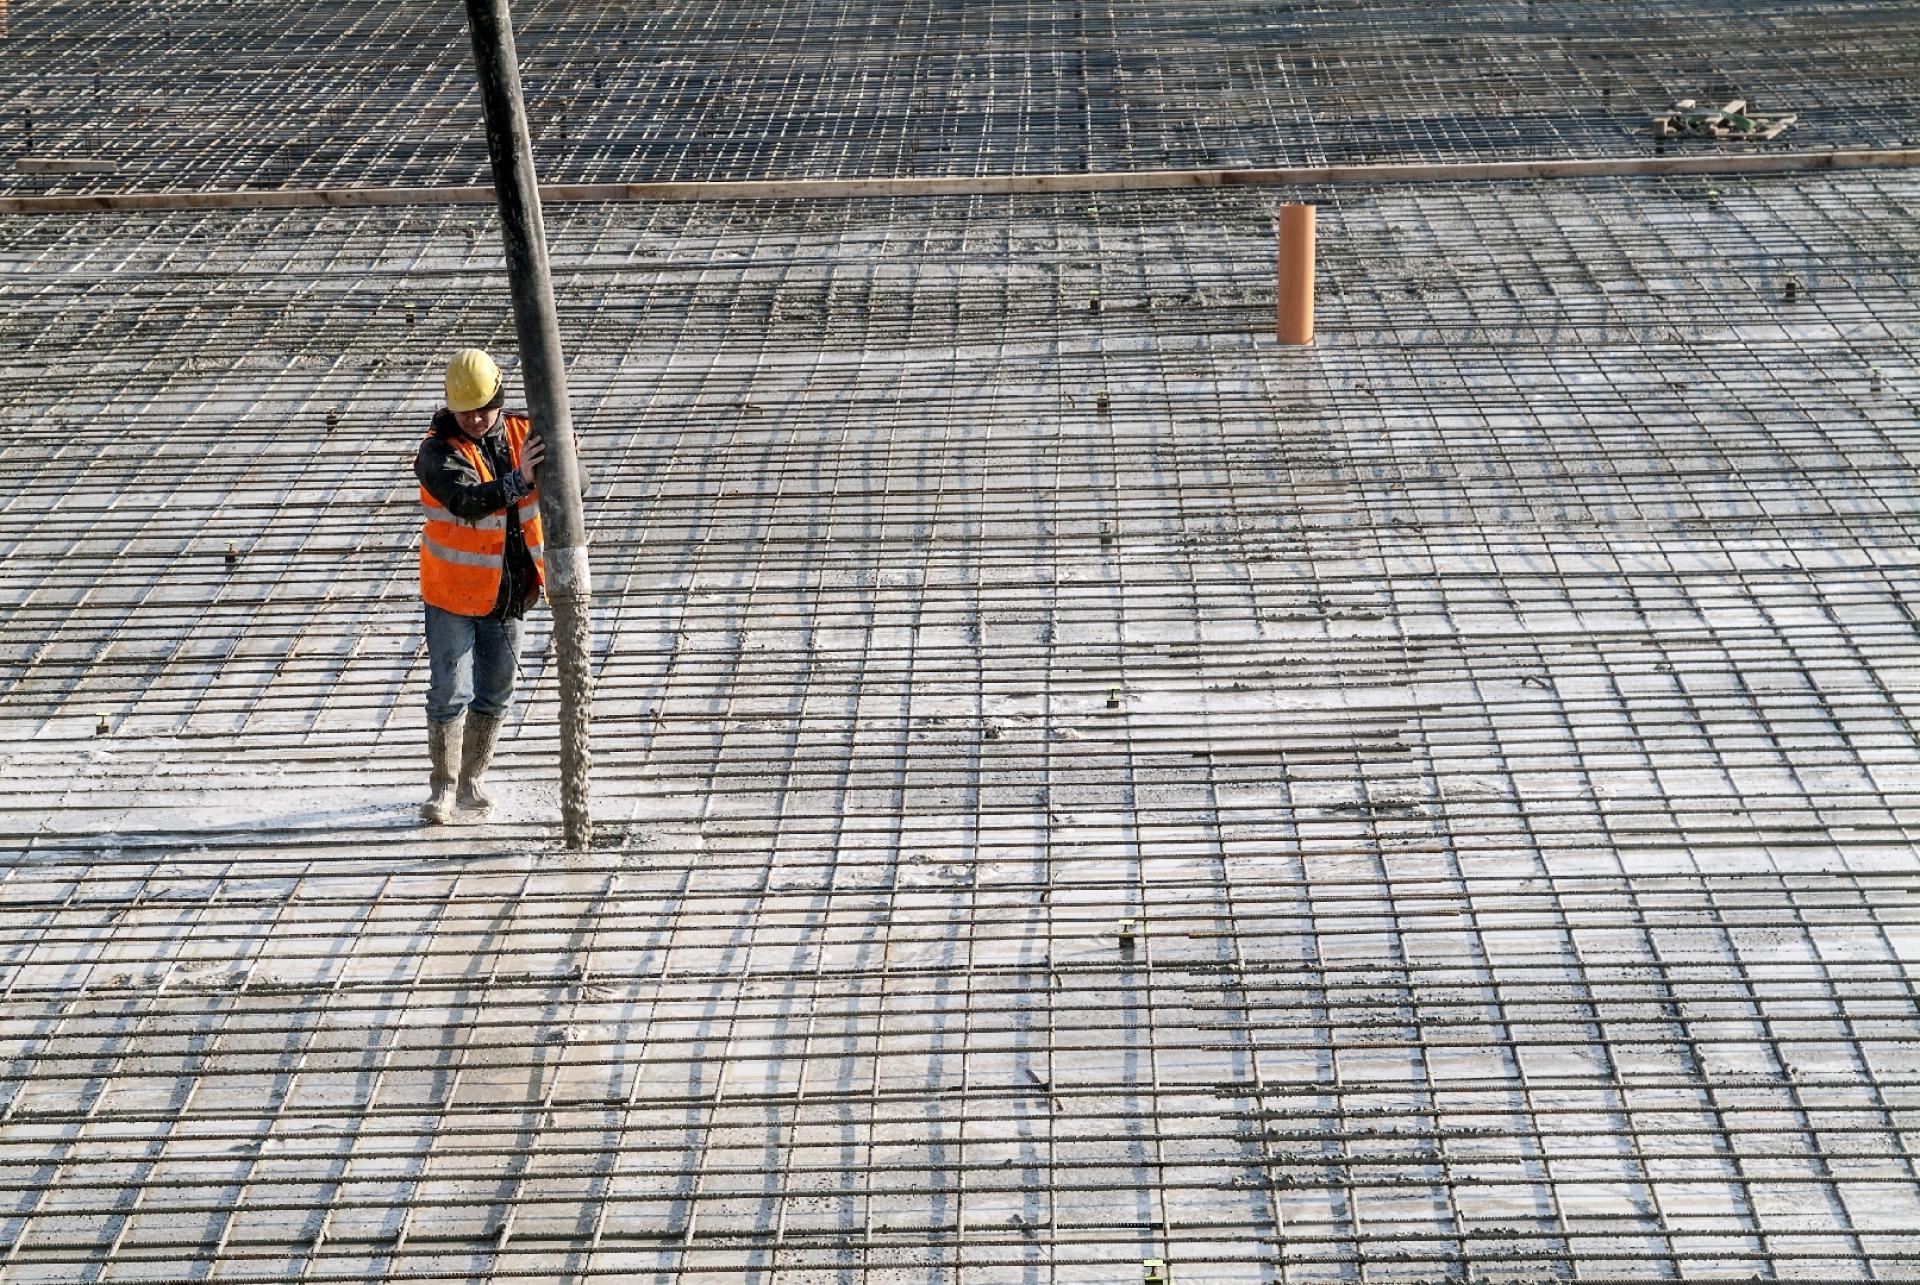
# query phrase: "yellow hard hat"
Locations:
[[473, 380]]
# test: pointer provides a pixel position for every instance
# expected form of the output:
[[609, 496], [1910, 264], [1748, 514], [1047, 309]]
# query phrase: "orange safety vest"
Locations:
[[461, 562]]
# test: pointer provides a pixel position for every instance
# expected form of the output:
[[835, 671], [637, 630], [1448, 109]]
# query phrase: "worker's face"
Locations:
[[477, 423]]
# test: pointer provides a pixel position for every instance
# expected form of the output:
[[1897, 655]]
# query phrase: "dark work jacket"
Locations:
[[444, 471]]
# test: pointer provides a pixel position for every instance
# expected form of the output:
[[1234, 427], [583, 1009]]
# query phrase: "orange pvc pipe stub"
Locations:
[[1295, 278]]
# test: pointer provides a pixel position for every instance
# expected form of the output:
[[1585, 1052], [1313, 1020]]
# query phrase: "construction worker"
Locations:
[[480, 571]]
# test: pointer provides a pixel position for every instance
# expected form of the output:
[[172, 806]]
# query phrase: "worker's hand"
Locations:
[[531, 456]]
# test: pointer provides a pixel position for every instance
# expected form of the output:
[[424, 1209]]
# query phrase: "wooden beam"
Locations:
[[981, 185], [64, 165]]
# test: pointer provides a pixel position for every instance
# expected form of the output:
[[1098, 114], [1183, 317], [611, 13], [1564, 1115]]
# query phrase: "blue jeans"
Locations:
[[472, 663]]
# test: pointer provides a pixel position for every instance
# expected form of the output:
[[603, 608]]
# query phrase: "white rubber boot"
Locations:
[[476, 755], [443, 744]]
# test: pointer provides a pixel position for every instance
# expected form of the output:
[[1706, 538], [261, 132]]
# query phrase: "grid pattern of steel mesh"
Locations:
[[1079, 784], [258, 93]]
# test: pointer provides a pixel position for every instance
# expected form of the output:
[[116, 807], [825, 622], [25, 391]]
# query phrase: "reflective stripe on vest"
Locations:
[[461, 561]]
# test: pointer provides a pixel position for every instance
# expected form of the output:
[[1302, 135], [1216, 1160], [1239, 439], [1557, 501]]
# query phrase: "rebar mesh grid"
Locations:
[[1079, 784], [219, 94]]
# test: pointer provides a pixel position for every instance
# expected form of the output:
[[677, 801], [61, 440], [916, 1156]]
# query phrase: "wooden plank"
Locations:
[[64, 165], [981, 185]]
